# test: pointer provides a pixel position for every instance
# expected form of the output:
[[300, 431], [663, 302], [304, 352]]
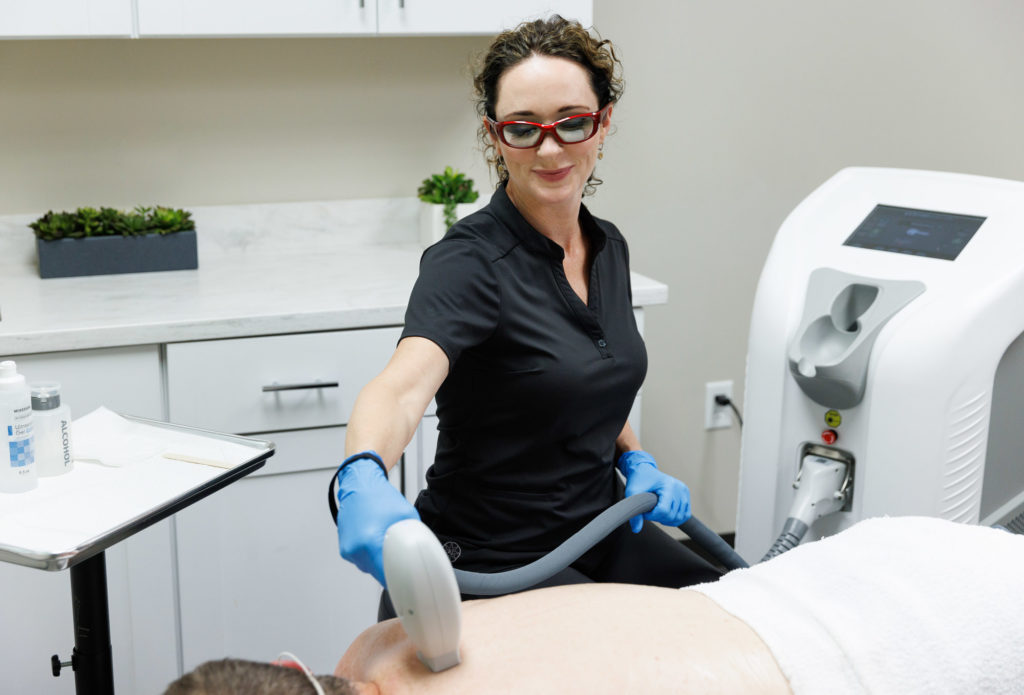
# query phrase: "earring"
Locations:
[[600, 151]]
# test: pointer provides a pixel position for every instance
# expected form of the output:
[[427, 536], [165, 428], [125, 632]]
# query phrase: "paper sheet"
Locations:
[[120, 475]]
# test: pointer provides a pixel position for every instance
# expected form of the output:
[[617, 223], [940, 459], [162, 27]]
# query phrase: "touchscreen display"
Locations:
[[916, 232]]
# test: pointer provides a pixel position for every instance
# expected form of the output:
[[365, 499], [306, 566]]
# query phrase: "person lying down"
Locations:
[[892, 605]]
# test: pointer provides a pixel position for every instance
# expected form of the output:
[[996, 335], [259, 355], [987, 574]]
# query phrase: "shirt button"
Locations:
[[602, 343]]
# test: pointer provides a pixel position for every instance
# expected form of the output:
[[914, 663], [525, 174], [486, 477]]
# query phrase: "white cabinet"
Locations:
[[256, 17], [139, 569], [259, 568], [466, 17], [127, 380], [65, 18], [250, 571], [345, 17], [246, 385], [178, 18], [258, 562]]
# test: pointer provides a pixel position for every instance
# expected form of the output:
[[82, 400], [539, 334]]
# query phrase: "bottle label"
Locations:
[[65, 442], [19, 434], [21, 452]]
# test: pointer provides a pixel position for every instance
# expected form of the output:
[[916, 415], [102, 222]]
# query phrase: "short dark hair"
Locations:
[[241, 677], [557, 37]]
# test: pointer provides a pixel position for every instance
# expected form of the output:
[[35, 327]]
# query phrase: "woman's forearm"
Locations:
[[389, 408], [382, 422]]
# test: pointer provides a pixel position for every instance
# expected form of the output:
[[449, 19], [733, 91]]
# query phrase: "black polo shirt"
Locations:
[[540, 384]]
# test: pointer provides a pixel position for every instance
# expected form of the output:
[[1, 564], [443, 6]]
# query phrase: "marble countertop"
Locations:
[[263, 270]]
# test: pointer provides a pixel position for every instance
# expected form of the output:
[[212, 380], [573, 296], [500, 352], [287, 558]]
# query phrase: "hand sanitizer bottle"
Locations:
[[17, 462], [51, 427]]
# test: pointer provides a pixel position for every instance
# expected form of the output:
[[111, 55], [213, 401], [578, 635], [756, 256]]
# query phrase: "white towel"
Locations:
[[900, 605]]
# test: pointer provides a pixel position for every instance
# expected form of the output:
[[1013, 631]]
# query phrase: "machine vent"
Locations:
[[1016, 524], [962, 475]]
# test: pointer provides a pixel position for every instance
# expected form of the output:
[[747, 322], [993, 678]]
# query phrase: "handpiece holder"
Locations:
[[423, 590], [843, 316]]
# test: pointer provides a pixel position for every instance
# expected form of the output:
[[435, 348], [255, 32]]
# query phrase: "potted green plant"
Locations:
[[108, 241], [446, 197]]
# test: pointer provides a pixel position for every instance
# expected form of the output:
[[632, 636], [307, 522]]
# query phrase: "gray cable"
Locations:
[[493, 584], [792, 532], [714, 544]]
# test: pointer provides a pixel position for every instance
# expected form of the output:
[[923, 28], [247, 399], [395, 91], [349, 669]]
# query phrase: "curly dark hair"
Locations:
[[557, 37]]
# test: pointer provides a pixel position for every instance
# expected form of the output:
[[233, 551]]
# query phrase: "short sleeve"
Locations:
[[455, 301]]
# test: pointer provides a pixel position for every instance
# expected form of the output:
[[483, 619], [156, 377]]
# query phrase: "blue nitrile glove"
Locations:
[[367, 506], [642, 475]]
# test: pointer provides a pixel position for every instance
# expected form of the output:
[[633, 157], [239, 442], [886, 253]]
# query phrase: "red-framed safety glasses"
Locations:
[[571, 130]]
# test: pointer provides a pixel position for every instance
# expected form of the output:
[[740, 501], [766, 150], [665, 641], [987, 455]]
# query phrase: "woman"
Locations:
[[520, 325]]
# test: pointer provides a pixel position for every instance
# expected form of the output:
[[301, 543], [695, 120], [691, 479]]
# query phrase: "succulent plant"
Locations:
[[448, 188], [88, 222]]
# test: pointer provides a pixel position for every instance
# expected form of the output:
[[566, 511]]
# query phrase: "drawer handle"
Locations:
[[299, 387]]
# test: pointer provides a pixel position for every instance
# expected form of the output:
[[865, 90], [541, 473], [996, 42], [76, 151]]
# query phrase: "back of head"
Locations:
[[241, 677]]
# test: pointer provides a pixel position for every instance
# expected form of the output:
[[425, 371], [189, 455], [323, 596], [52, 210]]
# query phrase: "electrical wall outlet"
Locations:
[[717, 416]]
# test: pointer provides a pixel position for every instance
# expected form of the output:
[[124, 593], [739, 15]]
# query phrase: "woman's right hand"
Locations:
[[367, 505], [642, 475]]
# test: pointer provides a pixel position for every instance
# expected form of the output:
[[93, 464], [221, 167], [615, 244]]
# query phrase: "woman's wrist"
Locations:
[[368, 455], [629, 460]]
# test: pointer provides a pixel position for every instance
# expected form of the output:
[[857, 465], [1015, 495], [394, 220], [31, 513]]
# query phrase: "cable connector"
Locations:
[[822, 487]]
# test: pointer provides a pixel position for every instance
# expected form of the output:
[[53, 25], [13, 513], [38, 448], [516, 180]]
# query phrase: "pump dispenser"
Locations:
[[51, 425], [17, 458]]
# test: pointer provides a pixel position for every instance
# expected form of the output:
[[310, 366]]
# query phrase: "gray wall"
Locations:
[[733, 112], [207, 121]]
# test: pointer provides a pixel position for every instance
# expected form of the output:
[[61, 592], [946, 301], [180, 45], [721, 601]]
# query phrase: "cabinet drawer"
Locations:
[[320, 449], [125, 379], [250, 385]]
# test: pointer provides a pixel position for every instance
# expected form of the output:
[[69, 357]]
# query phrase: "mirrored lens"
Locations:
[[576, 129], [521, 134]]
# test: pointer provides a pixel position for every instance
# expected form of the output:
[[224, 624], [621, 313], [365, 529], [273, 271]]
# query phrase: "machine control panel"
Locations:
[[916, 232]]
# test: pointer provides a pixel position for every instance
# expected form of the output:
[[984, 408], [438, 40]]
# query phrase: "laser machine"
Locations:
[[885, 371]]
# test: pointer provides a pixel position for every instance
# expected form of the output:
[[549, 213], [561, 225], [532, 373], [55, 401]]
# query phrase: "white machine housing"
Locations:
[[915, 363]]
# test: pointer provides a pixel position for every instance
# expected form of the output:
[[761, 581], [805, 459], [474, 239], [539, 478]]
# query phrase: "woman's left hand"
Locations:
[[642, 475]]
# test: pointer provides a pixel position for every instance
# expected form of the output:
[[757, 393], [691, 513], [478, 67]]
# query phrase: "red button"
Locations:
[[829, 436]]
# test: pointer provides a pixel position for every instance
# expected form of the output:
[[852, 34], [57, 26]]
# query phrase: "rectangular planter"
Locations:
[[111, 255]]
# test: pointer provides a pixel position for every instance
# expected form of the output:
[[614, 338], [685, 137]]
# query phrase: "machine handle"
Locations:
[[424, 593], [300, 387]]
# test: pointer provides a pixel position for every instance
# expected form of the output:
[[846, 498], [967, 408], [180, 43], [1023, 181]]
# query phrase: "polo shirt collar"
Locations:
[[510, 216]]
